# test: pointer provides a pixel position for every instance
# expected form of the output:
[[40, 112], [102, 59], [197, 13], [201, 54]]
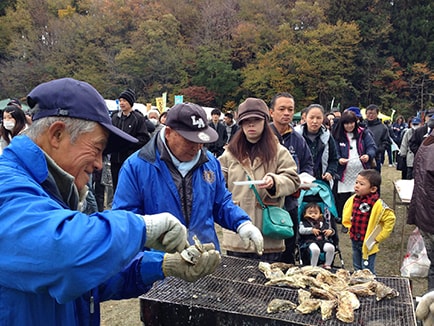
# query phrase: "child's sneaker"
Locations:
[[327, 267]]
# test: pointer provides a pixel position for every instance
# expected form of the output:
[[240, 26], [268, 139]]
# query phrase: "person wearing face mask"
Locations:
[[14, 123], [154, 118]]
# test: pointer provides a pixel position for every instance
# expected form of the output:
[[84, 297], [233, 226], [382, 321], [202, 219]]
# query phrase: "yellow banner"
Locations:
[[160, 106]]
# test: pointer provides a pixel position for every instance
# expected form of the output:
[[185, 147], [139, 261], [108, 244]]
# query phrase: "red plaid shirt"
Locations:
[[362, 207]]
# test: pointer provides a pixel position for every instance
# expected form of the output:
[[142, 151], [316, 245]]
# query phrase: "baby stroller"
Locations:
[[322, 195]]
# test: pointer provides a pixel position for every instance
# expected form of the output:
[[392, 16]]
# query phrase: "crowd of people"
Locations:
[[172, 176]]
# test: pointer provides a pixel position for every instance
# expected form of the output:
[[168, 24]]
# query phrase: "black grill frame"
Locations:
[[235, 295]]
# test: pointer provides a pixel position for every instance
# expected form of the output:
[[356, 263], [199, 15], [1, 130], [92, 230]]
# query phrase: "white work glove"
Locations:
[[247, 231], [205, 263], [425, 309], [165, 232]]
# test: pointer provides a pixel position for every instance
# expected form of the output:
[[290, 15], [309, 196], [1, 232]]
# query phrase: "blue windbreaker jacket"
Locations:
[[56, 263], [146, 186]]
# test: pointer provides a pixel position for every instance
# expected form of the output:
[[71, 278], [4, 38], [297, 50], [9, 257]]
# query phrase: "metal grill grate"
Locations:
[[235, 295]]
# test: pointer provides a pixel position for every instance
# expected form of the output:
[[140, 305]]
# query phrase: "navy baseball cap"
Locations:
[[356, 111], [416, 121], [189, 120], [67, 97]]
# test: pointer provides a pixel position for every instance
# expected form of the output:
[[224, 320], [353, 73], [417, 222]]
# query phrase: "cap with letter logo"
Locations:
[[189, 120], [67, 97]]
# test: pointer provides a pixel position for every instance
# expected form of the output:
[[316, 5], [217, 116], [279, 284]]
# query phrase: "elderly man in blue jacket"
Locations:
[[57, 264], [174, 173]]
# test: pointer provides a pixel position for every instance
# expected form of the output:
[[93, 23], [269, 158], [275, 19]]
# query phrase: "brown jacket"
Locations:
[[420, 212], [284, 172]]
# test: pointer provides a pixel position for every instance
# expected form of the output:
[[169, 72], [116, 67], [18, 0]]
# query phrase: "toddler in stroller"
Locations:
[[318, 241]]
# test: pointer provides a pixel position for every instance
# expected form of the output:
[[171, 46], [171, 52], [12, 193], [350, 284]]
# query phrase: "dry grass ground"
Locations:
[[388, 262]]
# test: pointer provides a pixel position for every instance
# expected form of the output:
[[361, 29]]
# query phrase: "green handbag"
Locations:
[[276, 221]]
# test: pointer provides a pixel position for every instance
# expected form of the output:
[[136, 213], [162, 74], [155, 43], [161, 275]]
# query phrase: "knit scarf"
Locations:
[[362, 207]]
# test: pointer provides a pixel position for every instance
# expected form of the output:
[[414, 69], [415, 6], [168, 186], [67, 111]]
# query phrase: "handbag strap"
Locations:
[[257, 194]]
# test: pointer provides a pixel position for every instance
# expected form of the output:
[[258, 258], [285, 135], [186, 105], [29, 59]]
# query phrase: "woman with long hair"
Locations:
[[255, 153], [356, 149], [14, 123]]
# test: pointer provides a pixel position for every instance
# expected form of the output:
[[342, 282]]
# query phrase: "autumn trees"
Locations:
[[220, 51]]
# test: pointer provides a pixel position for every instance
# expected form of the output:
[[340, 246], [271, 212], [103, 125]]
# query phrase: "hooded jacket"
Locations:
[[52, 269]]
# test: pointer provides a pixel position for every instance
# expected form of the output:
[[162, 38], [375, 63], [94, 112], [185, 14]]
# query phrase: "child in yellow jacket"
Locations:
[[368, 218]]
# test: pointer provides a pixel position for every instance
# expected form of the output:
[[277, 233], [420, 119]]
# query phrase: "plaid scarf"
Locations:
[[362, 207]]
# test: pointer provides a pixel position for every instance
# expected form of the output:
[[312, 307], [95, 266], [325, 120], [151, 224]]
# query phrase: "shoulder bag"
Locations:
[[276, 221]]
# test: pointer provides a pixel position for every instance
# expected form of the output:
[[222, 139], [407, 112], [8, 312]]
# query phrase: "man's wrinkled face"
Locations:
[[84, 156], [183, 149]]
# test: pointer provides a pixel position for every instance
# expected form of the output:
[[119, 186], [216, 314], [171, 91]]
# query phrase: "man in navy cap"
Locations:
[[175, 173], [57, 264]]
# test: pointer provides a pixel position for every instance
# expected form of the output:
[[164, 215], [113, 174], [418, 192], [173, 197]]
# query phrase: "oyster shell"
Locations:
[[280, 305], [363, 289], [382, 291], [303, 295], [270, 273], [327, 307], [308, 306], [347, 303]]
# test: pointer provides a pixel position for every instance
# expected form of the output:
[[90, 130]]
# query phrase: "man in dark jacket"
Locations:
[[133, 123], [217, 147], [379, 131], [282, 108]]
